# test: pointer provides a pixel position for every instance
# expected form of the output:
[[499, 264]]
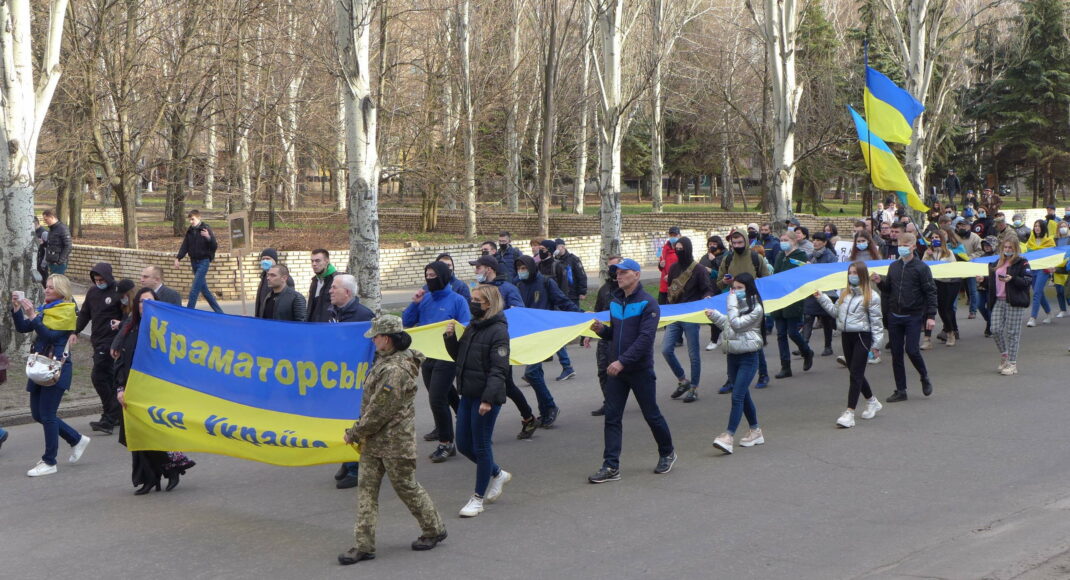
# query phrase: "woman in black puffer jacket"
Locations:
[[482, 361]]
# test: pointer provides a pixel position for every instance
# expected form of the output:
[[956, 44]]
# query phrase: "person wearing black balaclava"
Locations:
[[438, 303], [601, 352], [689, 281], [711, 260]]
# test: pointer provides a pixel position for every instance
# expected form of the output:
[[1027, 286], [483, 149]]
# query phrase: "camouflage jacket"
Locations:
[[387, 424]]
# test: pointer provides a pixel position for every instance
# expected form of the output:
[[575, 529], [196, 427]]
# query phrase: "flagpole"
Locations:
[[865, 109]]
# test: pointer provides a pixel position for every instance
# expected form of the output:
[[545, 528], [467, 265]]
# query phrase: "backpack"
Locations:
[[755, 261]]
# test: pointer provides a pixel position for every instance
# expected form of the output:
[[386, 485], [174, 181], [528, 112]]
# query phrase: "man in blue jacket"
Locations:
[[507, 255], [634, 317], [540, 292], [437, 304]]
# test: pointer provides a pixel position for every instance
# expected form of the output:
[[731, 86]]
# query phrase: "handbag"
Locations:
[[45, 371]]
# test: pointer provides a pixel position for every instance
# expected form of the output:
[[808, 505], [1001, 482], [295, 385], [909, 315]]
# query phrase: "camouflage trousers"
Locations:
[[402, 474]]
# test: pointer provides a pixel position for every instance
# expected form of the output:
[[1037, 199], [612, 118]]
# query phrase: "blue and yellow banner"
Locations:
[[276, 392], [284, 392], [890, 110], [884, 168]]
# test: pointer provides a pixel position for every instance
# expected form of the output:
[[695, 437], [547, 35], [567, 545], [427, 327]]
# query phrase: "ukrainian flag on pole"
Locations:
[[884, 167], [890, 110]]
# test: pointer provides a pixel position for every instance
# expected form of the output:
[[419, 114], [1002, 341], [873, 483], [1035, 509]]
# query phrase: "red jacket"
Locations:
[[668, 258]]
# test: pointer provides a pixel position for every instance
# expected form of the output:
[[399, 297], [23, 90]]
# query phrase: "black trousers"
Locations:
[[601, 357], [438, 378], [946, 295], [517, 397], [103, 377], [856, 346], [828, 324]]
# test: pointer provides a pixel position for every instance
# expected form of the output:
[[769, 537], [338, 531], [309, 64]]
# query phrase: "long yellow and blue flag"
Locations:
[[284, 392], [276, 392], [890, 110], [884, 167]]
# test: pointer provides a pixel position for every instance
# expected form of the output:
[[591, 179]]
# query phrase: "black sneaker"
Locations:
[[681, 389], [785, 372], [347, 482], [692, 395], [665, 463], [443, 452], [827, 351], [926, 386], [808, 359], [527, 428], [605, 474], [566, 374], [432, 435], [599, 412], [896, 397], [102, 427], [547, 421], [352, 556], [427, 542], [341, 473]]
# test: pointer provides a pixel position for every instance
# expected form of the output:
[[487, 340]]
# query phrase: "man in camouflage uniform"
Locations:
[[386, 436]]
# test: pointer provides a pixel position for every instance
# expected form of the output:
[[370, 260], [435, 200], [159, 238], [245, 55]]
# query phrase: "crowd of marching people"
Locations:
[[879, 319]]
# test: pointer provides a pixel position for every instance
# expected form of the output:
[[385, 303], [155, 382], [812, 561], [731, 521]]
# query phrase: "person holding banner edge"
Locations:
[[385, 434]]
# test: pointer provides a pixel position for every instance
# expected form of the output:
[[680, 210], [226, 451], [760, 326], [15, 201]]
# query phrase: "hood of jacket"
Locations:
[[103, 269], [529, 264], [442, 270], [408, 361], [687, 255]]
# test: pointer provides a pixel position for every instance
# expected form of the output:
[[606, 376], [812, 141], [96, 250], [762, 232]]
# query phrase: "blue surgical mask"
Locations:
[[102, 285], [862, 245], [481, 278], [672, 241], [523, 275], [266, 265], [791, 228], [785, 246], [982, 215], [937, 243], [741, 294], [853, 279], [1017, 223], [905, 251], [1008, 254]]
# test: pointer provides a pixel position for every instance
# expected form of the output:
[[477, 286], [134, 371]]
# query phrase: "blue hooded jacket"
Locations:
[[633, 326], [437, 305], [541, 292]]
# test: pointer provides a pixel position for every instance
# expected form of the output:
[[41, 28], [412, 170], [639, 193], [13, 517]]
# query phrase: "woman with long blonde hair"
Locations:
[[858, 316], [1009, 281]]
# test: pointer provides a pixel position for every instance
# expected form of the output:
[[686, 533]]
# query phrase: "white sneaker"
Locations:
[[724, 442], [473, 508], [1047, 319], [497, 482], [871, 408], [1061, 314], [752, 438], [1002, 363], [1010, 369], [79, 449], [711, 346], [847, 419], [842, 361], [1032, 322], [873, 360], [42, 468]]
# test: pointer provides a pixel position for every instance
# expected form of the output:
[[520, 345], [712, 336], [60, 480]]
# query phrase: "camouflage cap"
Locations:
[[385, 324]]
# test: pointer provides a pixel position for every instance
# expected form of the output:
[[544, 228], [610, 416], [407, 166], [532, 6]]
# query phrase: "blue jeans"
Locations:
[[789, 328], [982, 305], [974, 296], [690, 331], [535, 376], [57, 269], [44, 402], [352, 468], [1040, 281], [1060, 293], [643, 383], [200, 285], [741, 370], [904, 333], [474, 432], [562, 355]]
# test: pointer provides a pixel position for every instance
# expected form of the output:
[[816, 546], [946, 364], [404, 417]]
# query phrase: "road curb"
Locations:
[[21, 416]]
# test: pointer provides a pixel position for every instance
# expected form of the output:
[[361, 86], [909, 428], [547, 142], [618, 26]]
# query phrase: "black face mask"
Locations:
[[435, 284], [739, 250], [752, 235], [544, 254], [714, 249], [485, 252], [963, 232], [475, 309]]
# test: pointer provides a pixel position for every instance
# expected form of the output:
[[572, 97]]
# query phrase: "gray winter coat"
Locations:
[[851, 315], [742, 333]]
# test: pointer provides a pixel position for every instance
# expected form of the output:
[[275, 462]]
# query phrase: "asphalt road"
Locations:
[[973, 482]]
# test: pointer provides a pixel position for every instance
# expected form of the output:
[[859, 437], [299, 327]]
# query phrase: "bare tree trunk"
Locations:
[[657, 126], [469, 125], [353, 38], [610, 137], [339, 173], [779, 28], [512, 133], [209, 170], [549, 120], [579, 186]]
